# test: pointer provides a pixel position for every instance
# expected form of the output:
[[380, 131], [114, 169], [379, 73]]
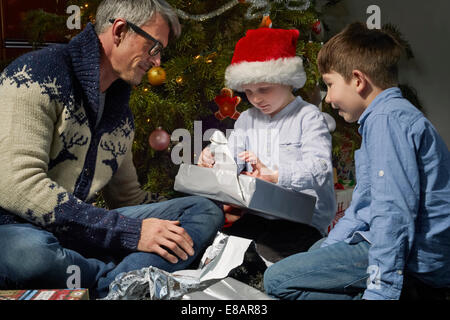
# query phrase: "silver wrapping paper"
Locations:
[[226, 253], [151, 284]]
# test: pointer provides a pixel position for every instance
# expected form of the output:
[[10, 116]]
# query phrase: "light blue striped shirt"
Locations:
[[401, 203]]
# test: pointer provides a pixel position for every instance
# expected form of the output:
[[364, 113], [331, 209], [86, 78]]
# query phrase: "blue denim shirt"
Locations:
[[401, 203]]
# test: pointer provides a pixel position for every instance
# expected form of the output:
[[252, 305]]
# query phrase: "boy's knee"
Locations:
[[271, 280]]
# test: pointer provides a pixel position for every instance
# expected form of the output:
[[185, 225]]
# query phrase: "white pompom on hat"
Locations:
[[266, 55]]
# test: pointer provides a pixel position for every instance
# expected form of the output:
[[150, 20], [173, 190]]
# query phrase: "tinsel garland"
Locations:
[[257, 9]]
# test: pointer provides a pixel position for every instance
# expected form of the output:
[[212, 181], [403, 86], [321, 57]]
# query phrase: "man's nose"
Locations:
[[155, 61]]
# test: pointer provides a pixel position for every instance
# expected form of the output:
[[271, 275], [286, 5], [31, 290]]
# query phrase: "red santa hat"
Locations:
[[266, 55]]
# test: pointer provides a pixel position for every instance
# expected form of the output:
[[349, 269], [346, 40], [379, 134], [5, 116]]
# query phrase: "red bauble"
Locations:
[[317, 27], [159, 139]]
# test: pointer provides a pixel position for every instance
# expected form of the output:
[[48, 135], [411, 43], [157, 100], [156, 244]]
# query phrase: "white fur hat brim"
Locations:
[[287, 71]]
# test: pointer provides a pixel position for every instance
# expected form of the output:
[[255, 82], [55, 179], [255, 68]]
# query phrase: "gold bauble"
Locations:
[[156, 76]]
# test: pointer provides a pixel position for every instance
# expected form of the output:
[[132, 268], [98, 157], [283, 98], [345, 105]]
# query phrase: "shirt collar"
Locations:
[[84, 51], [393, 92]]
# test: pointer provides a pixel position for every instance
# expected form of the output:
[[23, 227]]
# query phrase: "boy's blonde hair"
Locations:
[[376, 53]]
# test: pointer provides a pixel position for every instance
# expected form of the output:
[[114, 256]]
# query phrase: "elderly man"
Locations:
[[66, 133]]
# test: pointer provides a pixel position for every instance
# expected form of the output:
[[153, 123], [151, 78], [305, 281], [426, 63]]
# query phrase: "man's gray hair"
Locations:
[[138, 12]]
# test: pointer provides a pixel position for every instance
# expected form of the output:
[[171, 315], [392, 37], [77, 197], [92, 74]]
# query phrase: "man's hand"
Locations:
[[259, 169], [158, 235], [206, 158]]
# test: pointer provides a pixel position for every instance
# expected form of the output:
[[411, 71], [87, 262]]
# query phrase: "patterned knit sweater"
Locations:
[[53, 157]]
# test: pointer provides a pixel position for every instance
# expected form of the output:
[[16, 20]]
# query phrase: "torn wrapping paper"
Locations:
[[222, 183], [225, 254], [227, 289]]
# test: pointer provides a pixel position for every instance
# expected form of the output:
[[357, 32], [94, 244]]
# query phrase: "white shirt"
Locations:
[[297, 143]]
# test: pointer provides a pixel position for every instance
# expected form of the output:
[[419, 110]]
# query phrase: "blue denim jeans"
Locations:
[[335, 272], [32, 258]]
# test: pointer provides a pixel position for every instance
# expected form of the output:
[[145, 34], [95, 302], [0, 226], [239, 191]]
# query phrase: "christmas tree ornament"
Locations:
[[305, 6], [256, 9], [227, 104], [266, 22], [318, 29], [159, 139], [156, 76], [207, 16]]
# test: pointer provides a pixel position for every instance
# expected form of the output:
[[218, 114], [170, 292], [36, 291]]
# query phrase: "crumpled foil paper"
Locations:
[[151, 283]]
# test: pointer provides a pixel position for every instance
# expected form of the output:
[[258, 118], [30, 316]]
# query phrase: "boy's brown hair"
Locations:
[[374, 52]]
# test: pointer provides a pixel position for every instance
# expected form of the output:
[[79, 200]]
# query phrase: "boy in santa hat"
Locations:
[[282, 139]]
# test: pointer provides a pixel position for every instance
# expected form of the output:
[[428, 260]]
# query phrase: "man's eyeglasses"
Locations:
[[157, 46]]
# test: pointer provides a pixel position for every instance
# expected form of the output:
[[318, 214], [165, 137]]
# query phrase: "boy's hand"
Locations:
[[259, 169], [159, 235], [206, 158]]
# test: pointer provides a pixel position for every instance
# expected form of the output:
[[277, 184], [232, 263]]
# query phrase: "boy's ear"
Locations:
[[360, 80]]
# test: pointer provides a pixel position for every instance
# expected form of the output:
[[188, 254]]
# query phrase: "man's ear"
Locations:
[[360, 80], [118, 30]]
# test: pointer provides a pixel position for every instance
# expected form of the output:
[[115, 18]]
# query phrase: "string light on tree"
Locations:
[[179, 80]]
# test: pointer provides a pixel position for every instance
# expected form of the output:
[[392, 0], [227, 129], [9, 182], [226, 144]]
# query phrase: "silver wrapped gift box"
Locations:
[[256, 195]]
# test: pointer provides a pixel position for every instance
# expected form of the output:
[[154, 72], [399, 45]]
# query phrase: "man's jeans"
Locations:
[[32, 258], [335, 272]]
